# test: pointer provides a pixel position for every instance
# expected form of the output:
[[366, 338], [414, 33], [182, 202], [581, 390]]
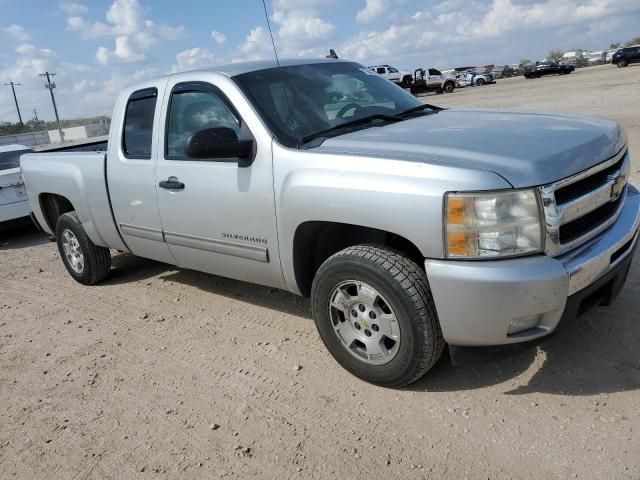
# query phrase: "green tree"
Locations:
[[525, 61], [633, 41], [614, 45], [555, 55]]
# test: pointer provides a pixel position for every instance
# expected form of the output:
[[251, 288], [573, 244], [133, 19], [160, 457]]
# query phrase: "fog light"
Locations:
[[521, 324]]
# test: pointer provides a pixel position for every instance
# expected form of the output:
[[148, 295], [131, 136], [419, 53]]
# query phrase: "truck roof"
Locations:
[[233, 69]]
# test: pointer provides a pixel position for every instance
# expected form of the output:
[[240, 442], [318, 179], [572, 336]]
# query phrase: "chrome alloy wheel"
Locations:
[[72, 251], [364, 322]]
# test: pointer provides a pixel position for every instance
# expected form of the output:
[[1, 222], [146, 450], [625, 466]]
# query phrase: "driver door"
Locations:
[[217, 216]]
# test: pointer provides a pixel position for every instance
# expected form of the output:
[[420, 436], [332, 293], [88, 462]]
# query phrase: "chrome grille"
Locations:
[[579, 207]]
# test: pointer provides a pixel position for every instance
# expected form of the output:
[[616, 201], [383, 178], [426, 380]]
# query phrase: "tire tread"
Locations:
[[98, 257], [414, 281]]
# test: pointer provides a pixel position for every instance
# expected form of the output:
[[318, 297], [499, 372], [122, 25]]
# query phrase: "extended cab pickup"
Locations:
[[410, 226]]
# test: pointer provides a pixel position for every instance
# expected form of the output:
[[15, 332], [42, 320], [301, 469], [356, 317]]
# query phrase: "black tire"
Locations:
[[622, 63], [97, 260], [406, 81], [480, 82], [448, 87], [404, 285]]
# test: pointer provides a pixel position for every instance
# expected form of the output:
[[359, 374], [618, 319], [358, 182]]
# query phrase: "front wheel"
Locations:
[[86, 262], [480, 82], [375, 313], [622, 63]]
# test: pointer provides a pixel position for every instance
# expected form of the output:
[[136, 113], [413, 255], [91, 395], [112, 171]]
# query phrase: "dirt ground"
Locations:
[[167, 373]]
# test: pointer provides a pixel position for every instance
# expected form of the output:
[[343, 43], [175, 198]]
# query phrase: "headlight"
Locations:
[[492, 224]]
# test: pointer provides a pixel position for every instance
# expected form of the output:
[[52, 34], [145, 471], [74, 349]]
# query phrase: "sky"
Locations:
[[96, 47]]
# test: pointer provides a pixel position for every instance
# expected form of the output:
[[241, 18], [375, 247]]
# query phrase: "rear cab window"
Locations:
[[137, 132]]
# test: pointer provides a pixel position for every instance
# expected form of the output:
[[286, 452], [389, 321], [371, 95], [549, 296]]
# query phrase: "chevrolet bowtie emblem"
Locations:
[[619, 182]]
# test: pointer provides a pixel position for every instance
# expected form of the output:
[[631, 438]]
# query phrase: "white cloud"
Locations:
[[83, 86], [298, 27], [218, 37], [98, 98], [17, 32], [194, 59], [102, 55], [299, 30], [73, 8], [257, 45], [373, 10], [25, 49], [133, 34]]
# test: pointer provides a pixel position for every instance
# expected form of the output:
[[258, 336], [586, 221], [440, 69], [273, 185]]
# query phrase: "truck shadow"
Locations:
[[597, 353], [129, 268], [18, 235]]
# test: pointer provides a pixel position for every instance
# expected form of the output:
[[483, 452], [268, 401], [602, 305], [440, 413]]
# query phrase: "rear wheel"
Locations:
[[622, 63], [448, 87], [86, 262], [375, 313], [406, 81], [480, 82]]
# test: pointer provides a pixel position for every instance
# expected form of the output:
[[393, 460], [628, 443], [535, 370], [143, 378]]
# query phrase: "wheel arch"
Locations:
[[53, 206], [448, 82], [315, 241]]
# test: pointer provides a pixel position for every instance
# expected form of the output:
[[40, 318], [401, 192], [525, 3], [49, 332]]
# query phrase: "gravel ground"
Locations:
[[168, 373]]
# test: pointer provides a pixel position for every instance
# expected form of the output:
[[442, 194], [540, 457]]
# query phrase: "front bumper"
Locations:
[[476, 301]]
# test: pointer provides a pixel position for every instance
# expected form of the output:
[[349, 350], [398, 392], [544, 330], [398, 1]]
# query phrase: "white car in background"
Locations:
[[13, 197]]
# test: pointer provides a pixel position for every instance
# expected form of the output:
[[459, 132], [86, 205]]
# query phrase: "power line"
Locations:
[[15, 99], [50, 86]]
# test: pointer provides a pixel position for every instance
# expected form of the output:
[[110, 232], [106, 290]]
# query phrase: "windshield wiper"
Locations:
[[421, 107], [352, 123]]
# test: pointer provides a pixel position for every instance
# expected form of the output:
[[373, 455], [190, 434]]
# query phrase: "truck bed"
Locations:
[[79, 177]]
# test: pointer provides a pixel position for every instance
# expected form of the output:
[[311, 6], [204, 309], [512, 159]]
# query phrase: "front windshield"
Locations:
[[299, 101]]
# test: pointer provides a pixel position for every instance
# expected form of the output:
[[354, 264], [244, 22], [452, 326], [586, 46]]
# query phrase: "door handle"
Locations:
[[171, 183]]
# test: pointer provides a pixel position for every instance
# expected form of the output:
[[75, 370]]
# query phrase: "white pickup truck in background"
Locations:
[[429, 79], [399, 77], [14, 203]]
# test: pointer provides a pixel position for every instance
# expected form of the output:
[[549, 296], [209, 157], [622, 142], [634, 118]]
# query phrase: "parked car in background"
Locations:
[[432, 80], [503, 71], [626, 55], [461, 79], [476, 79], [14, 203], [517, 69], [537, 71], [400, 77]]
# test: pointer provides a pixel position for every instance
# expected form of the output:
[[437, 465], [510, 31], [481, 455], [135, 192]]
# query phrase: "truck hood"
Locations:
[[526, 149]]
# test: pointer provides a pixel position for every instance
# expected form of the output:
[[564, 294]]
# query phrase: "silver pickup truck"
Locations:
[[411, 227]]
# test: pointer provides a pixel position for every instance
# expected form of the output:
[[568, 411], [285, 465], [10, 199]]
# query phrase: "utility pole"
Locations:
[[50, 86], [15, 99], [37, 120]]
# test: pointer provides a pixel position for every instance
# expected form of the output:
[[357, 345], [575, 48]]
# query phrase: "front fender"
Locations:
[[400, 197]]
